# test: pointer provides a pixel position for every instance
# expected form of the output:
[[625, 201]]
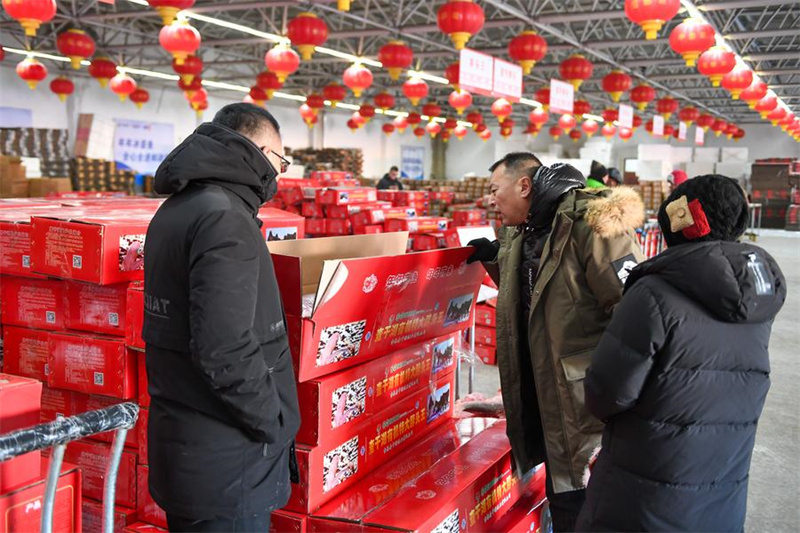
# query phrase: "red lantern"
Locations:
[[668, 130], [539, 117], [590, 127], [580, 108], [776, 115], [168, 9], [616, 83], [719, 127], [715, 63], [677, 134], [526, 49], [637, 122], [419, 132], [556, 132], [269, 83], [191, 88], [485, 135], [316, 102], [641, 95], [625, 134], [312, 121], [650, 15], [737, 81], [180, 39], [199, 97], [415, 89], [307, 31], [384, 100], [459, 132], [576, 69], [335, 93], [575, 135], [258, 95], [358, 78], [533, 129], [567, 123], [123, 85], [388, 128], [199, 107], [688, 115], [307, 113], [450, 124], [30, 70], [766, 105], [757, 90], [433, 128], [401, 123], [460, 100], [396, 56], [475, 118], [506, 132], [452, 73], [649, 127], [445, 136], [62, 87], [543, 97], [359, 119], [460, 19], [366, 111], [787, 121], [507, 123], [667, 106], [608, 131], [431, 110], [282, 60], [102, 69], [739, 135], [414, 119], [140, 97], [731, 130], [481, 128], [501, 108], [610, 115], [76, 45], [192, 66], [30, 13], [705, 121], [691, 38], [353, 125]]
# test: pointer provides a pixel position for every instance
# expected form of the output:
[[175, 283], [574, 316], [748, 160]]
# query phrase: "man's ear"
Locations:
[[525, 185]]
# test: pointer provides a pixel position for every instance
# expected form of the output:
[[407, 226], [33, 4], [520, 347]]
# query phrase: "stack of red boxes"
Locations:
[[486, 331]]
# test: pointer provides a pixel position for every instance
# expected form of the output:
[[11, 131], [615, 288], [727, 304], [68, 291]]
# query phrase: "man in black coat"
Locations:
[[224, 413], [390, 180], [681, 374]]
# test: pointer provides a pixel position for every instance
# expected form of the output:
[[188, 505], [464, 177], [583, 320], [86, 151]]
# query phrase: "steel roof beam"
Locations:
[[761, 34], [744, 4]]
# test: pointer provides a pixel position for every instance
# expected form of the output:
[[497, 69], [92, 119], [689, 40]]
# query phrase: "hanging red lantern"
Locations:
[[419, 132], [335, 93], [507, 122], [526, 49], [452, 73], [282, 60], [400, 123], [667, 106], [576, 69], [691, 38], [76, 45], [433, 128], [459, 132], [543, 97], [669, 129], [388, 128], [575, 135], [353, 125], [719, 127], [677, 135], [766, 105], [366, 111], [62, 87], [199, 97], [415, 89], [123, 85], [30, 13], [481, 128], [757, 90], [625, 134], [776, 115], [269, 83], [506, 132], [30, 70], [556, 132], [460, 100], [102, 69], [610, 115], [460, 19], [608, 131], [649, 127], [501, 108], [258, 95], [315, 101], [414, 119], [539, 117], [307, 113], [431, 110], [590, 127], [307, 31], [200, 107], [475, 118], [580, 108], [688, 115], [450, 124], [731, 130], [359, 119], [533, 129], [485, 135], [739, 135], [168, 9], [445, 136], [191, 88], [787, 121], [715, 63], [384, 100], [140, 97], [312, 122], [616, 83], [396, 56], [651, 16], [567, 123], [358, 78], [641, 95], [180, 39], [192, 66], [737, 80], [2, 53], [705, 121], [637, 122]]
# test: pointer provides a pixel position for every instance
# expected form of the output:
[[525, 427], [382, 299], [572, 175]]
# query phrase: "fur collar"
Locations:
[[615, 213]]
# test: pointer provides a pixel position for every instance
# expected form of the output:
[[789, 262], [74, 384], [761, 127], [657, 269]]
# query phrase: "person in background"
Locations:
[[597, 176], [391, 180], [224, 411], [676, 178], [560, 262], [614, 178], [682, 372]]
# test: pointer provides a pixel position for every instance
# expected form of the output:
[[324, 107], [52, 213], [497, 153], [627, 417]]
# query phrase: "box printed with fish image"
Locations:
[[367, 298]]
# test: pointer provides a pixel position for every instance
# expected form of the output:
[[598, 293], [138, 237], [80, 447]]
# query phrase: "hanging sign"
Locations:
[[682, 131], [476, 72], [626, 116], [658, 126], [699, 136], [507, 80], [142, 146], [412, 162], [562, 96]]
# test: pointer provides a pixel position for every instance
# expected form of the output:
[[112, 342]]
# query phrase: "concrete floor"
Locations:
[[774, 492]]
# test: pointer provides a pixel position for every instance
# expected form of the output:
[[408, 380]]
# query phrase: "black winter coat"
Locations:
[[224, 411], [680, 376]]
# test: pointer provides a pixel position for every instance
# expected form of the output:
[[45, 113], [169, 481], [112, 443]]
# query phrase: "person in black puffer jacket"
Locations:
[[681, 374]]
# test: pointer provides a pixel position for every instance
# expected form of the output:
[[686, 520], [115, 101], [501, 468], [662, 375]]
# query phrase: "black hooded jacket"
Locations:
[[224, 411], [681, 376]]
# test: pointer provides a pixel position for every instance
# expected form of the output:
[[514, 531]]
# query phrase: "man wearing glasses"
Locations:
[[223, 412]]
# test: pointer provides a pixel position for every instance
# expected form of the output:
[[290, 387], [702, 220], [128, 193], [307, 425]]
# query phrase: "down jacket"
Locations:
[[680, 377]]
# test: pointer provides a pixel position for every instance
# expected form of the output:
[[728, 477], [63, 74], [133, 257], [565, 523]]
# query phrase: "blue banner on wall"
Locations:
[[142, 146], [15, 117], [412, 162]]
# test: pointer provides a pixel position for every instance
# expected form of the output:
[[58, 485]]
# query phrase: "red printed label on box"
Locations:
[[32, 303], [277, 225], [93, 517], [96, 308], [141, 430], [144, 394], [487, 354], [148, 510], [486, 316], [56, 403], [93, 459], [369, 217], [417, 225], [25, 352], [316, 226], [344, 196], [135, 316], [368, 230], [21, 510], [486, 335], [15, 249], [312, 210], [338, 226]]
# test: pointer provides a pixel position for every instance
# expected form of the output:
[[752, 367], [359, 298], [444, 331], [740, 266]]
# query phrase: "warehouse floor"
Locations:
[[774, 493]]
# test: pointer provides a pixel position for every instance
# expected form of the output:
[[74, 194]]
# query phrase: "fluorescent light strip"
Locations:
[[429, 77], [232, 26], [39, 54], [596, 118], [348, 57], [148, 73], [529, 102], [343, 105]]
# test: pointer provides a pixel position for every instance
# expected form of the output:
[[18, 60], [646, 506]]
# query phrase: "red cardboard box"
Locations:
[[21, 509], [55, 403], [330, 175], [338, 226], [93, 365], [96, 308], [288, 522], [387, 195], [25, 352], [526, 514], [312, 210], [404, 198], [486, 315], [144, 395], [488, 354], [330, 468], [93, 459], [141, 437], [134, 315], [332, 404], [370, 298], [417, 225], [142, 527], [424, 242], [469, 216], [20, 402], [347, 211], [344, 196], [443, 196], [370, 217], [368, 230], [316, 226], [291, 195], [147, 509], [15, 241], [32, 303], [93, 517], [277, 225], [486, 335]]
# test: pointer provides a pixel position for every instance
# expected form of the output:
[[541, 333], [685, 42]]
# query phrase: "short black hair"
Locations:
[[598, 171], [394, 168], [518, 163], [247, 119]]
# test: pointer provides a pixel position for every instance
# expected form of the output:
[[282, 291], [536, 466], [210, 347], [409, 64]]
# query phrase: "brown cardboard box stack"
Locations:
[[653, 193], [98, 175], [771, 181], [13, 183], [48, 145], [344, 159], [43, 187]]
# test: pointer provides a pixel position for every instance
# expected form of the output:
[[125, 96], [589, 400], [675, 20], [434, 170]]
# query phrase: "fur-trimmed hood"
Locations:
[[615, 212]]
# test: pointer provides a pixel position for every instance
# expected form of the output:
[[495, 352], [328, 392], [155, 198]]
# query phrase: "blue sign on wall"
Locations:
[[15, 117], [412, 162], [142, 146]]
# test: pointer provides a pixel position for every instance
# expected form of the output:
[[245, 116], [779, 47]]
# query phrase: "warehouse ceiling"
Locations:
[[765, 33]]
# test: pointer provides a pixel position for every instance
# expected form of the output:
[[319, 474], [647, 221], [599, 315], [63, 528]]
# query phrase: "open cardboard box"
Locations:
[[369, 298]]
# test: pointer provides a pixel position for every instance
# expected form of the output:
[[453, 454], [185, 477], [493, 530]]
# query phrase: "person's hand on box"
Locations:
[[485, 250]]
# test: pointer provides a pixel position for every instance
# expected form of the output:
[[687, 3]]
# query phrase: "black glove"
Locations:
[[485, 250]]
